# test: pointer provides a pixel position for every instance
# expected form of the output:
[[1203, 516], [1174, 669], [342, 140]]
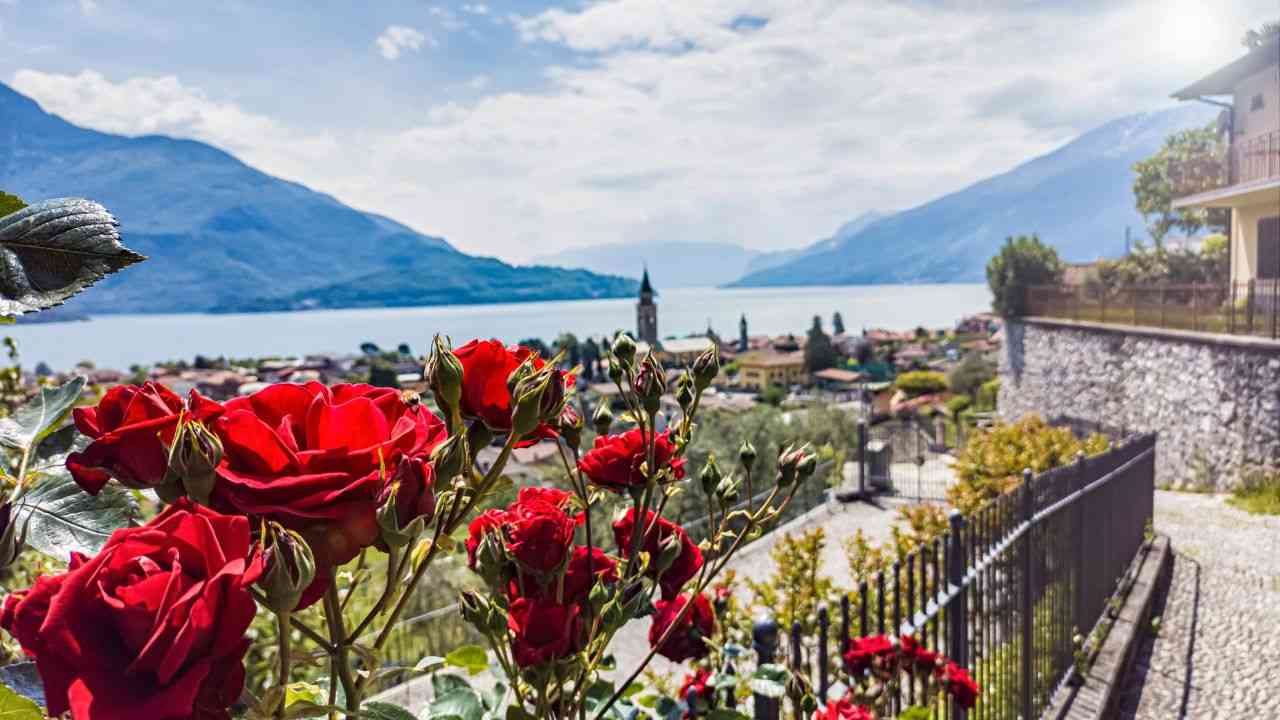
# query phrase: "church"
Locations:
[[647, 313]]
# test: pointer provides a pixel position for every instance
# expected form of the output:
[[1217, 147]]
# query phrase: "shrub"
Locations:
[[958, 404], [921, 382], [1259, 491], [988, 395], [991, 463], [972, 372], [1022, 262], [798, 585]]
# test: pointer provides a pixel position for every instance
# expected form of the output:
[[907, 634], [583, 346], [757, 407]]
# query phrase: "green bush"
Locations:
[[958, 404], [987, 396], [1022, 262], [991, 462], [921, 382], [1259, 491], [972, 372]]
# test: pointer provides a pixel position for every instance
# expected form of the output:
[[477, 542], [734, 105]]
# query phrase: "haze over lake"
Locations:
[[118, 341]]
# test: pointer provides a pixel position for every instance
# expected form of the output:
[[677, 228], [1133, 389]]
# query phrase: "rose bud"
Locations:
[[668, 551], [809, 463], [449, 458], [602, 419], [650, 383], [624, 349], [747, 455], [570, 424], [684, 392], [407, 502], [710, 476], [193, 461], [12, 536], [526, 414], [474, 610], [288, 568], [788, 462], [444, 373], [705, 368], [727, 489], [615, 373]]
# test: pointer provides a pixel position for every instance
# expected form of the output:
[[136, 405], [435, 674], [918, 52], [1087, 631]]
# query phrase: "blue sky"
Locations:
[[517, 128]]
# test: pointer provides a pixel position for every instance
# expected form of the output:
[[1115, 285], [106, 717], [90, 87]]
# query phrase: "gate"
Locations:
[[907, 458]]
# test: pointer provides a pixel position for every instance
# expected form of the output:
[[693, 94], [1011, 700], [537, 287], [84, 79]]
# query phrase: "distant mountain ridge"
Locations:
[[1078, 198], [222, 236], [672, 264]]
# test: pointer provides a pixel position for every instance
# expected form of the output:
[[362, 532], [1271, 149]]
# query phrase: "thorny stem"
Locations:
[[283, 640], [297, 624], [341, 657]]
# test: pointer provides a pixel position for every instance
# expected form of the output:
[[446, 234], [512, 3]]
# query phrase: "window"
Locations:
[[1269, 248], [1256, 102]]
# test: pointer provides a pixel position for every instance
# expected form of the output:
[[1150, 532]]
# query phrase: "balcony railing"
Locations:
[[1243, 308], [1246, 161]]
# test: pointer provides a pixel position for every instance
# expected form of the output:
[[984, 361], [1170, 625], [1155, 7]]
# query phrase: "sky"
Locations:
[[520, 128]]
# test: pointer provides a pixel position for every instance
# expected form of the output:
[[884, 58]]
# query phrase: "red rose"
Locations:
[[152, 627], [916, 656], [686, 565], [313, 459], [549, 495], [614, 461], [686, 641], [542, 632], [862, 652], [130, 429], [539, 534], [487, 523], [578, 579], [959, 685], [695, 683], [486, 367], [843, 709]]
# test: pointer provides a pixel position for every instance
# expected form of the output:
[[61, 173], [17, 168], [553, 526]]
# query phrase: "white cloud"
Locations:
[[476, 8], [688, 121], [397, 38], [88, 7]]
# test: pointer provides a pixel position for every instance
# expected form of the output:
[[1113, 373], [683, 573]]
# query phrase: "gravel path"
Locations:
[[1217, 654]]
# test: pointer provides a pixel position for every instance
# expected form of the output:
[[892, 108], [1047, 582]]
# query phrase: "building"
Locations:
[[647, 313], [1246, 178], [683, 351], [759, 370]]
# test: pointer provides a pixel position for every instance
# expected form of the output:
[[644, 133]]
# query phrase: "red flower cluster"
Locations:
[[531, 556], [880, 655], [843, 709], [614, 462], [690, 628], [152, 627], [695, 685], [486, 368], [661, 533]]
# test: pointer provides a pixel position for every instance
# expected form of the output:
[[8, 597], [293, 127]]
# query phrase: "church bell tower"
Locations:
[[647, 313]]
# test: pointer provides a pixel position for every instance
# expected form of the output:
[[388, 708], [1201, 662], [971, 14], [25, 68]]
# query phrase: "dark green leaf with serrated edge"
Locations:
[[28, 425], [62, 518]]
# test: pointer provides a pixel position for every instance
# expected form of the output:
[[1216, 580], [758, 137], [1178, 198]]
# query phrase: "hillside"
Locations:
[[1078, 198], [671, 264], [221, 235]]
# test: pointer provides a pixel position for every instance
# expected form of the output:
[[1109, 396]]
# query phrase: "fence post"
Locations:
[[1077, 607], [862, 458], [764, 640], [1028, 602], [824, 622], [1248, 304], [797, 665], [958, 609]]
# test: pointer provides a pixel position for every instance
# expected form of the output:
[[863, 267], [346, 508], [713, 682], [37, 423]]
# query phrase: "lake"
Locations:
[[118, 341]]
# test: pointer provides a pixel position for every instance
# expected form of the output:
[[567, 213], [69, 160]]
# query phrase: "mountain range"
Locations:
[[1078, 198], [223, 236]]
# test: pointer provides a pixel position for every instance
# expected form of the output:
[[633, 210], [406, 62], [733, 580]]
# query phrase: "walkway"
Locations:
[[1217, 654]]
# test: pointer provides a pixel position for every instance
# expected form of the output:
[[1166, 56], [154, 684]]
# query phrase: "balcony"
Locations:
[[1246, 162], [1242, 308]]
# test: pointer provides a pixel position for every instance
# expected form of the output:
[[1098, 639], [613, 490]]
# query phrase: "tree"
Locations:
[[1254, 39], [405, 350], [536, 345], [590, 359], [383, 374], [568, 344], [819, 353], [1187, 163], [10, 203], [1022, 262], [837, 323], [967, 377]]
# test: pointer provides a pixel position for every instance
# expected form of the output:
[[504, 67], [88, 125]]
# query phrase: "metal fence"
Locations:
[[1002, 593], [1240, 308]]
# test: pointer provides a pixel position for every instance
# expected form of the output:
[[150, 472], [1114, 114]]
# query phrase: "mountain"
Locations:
[[221, 235], [671, 264], [1078, 198], [765, 261]]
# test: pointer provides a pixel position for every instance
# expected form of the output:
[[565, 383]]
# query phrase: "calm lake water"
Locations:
[[122, 340]]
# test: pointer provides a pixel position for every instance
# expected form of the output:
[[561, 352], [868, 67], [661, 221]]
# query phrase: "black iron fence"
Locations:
[[1237, 308], [1004, 592]]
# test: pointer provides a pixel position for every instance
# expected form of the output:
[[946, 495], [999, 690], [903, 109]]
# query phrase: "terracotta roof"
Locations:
[[838, 375]]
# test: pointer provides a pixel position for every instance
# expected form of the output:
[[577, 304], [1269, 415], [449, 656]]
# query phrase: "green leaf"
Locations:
[[465, 704], [445, 683], [493, 699], [915, 712], [51, 454], [23, 679], [471, 658], [62, 518], [15, 707], [55, 249], [303, 692], [385, 711], [430, 662], [769, 680], [28, 425]]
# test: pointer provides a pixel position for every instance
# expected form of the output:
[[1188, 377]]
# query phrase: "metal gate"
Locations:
[[907, 458]]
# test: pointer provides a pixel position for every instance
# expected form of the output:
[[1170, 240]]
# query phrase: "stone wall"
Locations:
[[1214, 399]]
